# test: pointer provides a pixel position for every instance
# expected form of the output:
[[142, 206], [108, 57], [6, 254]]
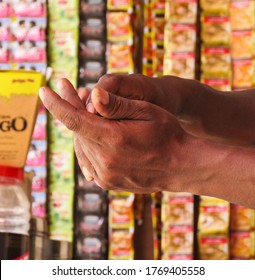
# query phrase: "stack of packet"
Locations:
[[216, 41], [120, 42], [63, 59], [180, 38], [121, 225], [242, 233], [36, 164], [91, 221], [177, 216], [92, 63], [242, 40], [213, 228], [23, 35]]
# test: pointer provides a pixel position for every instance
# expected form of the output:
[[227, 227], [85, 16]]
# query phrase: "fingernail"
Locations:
[[90, 108], [42, 93], [60, 84], [97, 183], [87, 174], [101, 95]]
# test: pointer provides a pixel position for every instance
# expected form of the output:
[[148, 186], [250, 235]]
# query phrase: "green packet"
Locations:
[[61, 165], [63, 46], [59, 9], [61, 212], [58, 133]]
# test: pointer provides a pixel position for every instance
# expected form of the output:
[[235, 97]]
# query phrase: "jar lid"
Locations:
[[12, 172]]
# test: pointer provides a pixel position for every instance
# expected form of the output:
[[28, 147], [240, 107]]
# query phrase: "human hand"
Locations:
[[164, 91], [138, 149]]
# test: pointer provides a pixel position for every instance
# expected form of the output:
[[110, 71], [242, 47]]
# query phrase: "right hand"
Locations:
[[164, 92]]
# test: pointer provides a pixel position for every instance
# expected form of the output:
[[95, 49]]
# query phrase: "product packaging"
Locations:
[[16, 121]]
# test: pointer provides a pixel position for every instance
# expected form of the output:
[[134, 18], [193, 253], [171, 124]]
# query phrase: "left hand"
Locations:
[[135, 146]]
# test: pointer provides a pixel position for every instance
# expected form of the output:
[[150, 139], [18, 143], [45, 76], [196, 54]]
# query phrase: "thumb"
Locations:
[[111, 106]]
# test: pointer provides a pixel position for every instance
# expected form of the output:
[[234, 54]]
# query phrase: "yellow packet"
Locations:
[[213, 247], [216, 62], [121, 212], [181, 65], [213, 216], [242, 44], [242, 15], [177, 240], [215, 30], [177, 209], [159, 7], [181, 38], [119, 27], [120, 58], [215, 7], [183, 11], [121, 245]]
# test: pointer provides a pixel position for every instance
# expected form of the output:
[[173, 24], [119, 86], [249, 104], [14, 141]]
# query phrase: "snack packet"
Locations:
[[184, 11], [242, 15], [242, 44], [216, 62], [215, 7], [222, 84], [213, 247], [213, 216], [243, 73], [241, 218], [215, 30], [242, 245]]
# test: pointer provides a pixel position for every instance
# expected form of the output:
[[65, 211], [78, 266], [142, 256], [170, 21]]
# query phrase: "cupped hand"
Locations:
[[133, 145]]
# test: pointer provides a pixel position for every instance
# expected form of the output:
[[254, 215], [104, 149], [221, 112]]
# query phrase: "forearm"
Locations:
[[209, 168], [202, 111]]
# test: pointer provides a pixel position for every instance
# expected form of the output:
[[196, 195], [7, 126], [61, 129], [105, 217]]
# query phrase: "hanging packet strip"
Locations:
[[242, 15], [215, 7], [215, 30], [216, 62]]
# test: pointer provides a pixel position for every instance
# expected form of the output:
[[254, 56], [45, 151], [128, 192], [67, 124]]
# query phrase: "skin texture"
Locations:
[[124, 142]]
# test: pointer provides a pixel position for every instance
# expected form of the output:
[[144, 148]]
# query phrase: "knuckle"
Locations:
[[71, 122]]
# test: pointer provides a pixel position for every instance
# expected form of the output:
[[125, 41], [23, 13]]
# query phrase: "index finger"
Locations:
[[76, 120]]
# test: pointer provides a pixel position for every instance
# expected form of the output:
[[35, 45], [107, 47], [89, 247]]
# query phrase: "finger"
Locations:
[[60, 109], [80, 121], [131, 86], [83, 94], [115, 107], [84, 163], [67, 92]]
